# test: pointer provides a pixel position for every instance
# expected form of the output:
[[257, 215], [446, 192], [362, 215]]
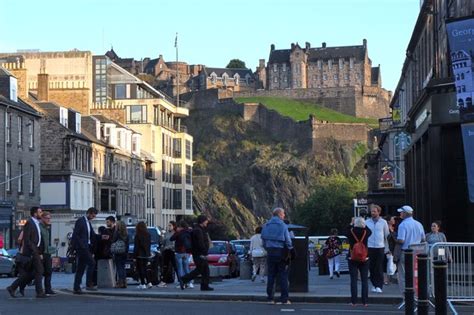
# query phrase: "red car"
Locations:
[[222, 259]]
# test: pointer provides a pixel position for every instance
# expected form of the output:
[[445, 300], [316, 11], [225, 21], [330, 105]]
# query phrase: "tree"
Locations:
[[236, 64], [330, 205]]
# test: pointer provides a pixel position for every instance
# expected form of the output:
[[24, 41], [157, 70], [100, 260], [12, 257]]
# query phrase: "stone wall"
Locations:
[[112, 114], [75, 99]]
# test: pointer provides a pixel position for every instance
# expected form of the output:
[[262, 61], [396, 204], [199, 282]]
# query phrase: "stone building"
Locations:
[[341, 78], [231, 80], [19, 157]]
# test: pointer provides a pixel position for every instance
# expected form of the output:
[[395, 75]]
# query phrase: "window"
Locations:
[[189, 199], [136, 114], [20, 178], [63, 116], [351, 63], [177, 196], [335, 77], [325, 77], [346, 77], [341, 63], [32, 179], [320, 64], [284, 67], [275, 67], [275, 80], [20, 131], [100, 73], [8, 127], [176, 173], [330, 64], [188, 149], [120, 91], [177, 148], [8, 174], [31, 130], [189, 174]]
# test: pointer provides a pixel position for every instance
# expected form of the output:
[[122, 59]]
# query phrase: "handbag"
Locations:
[[23, 260], [258, 252], [118, 247]]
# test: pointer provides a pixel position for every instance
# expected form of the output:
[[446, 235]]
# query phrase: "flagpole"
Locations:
[[177, 70]]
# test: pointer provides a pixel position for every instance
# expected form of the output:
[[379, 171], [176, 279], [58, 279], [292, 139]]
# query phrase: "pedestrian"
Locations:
[[83, 240], [333, 251], [120, 242], [200, 248], [258, 255], [435, 236], [357, 236], [182, 247], [378, 246], [277, 243], [410, 232], [142, 253], [392, 241], [48, 251], [168, 256], [32, 254]]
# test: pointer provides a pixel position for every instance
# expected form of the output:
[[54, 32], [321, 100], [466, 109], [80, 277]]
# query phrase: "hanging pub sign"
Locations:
[[386, 180], [461, 45], [385, 124], [396, 117]]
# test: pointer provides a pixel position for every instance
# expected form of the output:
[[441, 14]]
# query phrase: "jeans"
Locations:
[[401, 273], [333, 264], [48, 272], [202, 268], [277, 266], [182, 263], [376, 259], [141, 268], [354, 268], [119, 260], [84, 259], [28, 273]]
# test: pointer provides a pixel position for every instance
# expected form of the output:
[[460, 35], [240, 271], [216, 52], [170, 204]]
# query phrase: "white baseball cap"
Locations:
[[406, 209]]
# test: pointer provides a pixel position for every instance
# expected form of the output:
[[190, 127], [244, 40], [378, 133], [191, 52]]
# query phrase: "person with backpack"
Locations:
[[182, 247], [357, 235]]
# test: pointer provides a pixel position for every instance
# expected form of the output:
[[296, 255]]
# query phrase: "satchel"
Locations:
[[23, 260], [118, 247], [391, 267]]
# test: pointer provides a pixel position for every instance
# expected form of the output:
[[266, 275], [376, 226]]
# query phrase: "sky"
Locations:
[[211, 32]]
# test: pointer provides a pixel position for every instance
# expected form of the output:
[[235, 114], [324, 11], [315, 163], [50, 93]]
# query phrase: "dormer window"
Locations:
[[78, 123], [236, 78], [63, 116], [213, 78]]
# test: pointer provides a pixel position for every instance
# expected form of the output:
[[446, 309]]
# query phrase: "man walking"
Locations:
[[47, 252], [277, 242], [378, 246], [83, 238], [200, 246], [410, 232], [32, 247]]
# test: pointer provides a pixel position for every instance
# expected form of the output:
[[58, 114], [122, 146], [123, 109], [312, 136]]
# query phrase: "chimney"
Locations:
[[160, 57], [272, 47], [261, 63], [364, 42], [43, 87], [308, 45], [292, 46], [323, 44]]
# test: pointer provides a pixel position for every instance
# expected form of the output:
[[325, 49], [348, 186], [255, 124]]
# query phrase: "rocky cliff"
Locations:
[[251, 172]]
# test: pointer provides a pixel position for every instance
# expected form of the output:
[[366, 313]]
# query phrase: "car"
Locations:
[[222, 259], [7, 264], [155, 234], [241, 251], [245, 243]]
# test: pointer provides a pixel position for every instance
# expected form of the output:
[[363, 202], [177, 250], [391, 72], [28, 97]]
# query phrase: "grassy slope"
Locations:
[[300, 110]]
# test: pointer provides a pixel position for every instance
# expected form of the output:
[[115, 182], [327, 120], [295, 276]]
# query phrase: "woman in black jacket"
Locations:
[[141, 252], [358, 232], [121, 235]]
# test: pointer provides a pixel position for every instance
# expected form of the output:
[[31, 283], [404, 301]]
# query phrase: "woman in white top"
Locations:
[[259, 255]]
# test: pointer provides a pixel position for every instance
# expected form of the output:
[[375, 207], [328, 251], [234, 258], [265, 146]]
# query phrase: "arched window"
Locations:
[[460, 103]]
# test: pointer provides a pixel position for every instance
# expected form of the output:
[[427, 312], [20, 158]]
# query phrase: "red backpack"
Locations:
[[359, 250]]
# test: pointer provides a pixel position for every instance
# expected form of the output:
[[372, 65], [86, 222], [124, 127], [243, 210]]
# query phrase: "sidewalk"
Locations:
[[321, 290]]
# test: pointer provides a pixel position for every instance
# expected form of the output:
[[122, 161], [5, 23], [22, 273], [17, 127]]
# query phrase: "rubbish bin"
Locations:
[[245, 269]]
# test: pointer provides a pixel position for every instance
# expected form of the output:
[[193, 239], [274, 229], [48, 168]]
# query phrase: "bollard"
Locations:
[[441, 287], [409, 291], [423, 302]]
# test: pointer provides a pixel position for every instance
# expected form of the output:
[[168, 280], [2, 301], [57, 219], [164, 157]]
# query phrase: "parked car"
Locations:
[[245, 243], [155, 234], [7, 264], [241, 251], [222, 259]]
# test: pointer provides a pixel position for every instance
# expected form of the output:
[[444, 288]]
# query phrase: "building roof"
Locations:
[[230, 72], [5, 72], [20, 105], [318, 53]]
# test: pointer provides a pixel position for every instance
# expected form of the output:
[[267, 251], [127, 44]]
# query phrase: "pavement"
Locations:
[[321, 290]]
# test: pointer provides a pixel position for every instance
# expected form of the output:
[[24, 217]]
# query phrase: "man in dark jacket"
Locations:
[[200, 247], [32, 246], [83, 238]]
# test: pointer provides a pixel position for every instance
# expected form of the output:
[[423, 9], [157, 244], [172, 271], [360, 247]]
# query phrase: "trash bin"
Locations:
[[245, 269]]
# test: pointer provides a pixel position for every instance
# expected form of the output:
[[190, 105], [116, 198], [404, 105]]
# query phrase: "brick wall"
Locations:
[[75, 99], [113, 114]]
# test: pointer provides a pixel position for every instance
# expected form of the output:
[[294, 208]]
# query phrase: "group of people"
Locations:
[[33, 260]]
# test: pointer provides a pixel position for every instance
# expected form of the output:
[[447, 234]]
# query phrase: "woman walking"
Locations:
[[182, 246], [141, 252], [259, 255], [333, 249], [120, 236], [357, 236]]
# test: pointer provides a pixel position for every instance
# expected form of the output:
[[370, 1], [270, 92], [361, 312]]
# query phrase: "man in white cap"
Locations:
[[410, 232]]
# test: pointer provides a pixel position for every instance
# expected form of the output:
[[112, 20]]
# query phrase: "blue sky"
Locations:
[[211, 32]]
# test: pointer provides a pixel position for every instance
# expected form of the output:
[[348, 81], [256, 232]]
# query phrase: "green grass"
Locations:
[[300, 110]]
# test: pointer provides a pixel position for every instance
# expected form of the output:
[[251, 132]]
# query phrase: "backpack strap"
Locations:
[[355, 237]]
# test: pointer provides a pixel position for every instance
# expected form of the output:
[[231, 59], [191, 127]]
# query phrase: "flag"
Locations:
[[176, 41]]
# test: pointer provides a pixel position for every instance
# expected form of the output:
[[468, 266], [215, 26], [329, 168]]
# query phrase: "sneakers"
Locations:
[[11, 292], [378, 290], [149, 285], [190, 285], [162, 284], [271, 302], [331, 277], [254, 277], [207, 289], [141, 287], [338, 274], [374, 289], [91, 288], [284, 303]]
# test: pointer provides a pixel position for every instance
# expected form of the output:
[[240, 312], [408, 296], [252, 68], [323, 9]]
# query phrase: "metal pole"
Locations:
[[409, 290], [423, 302], [441, 290], [177, 71]]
